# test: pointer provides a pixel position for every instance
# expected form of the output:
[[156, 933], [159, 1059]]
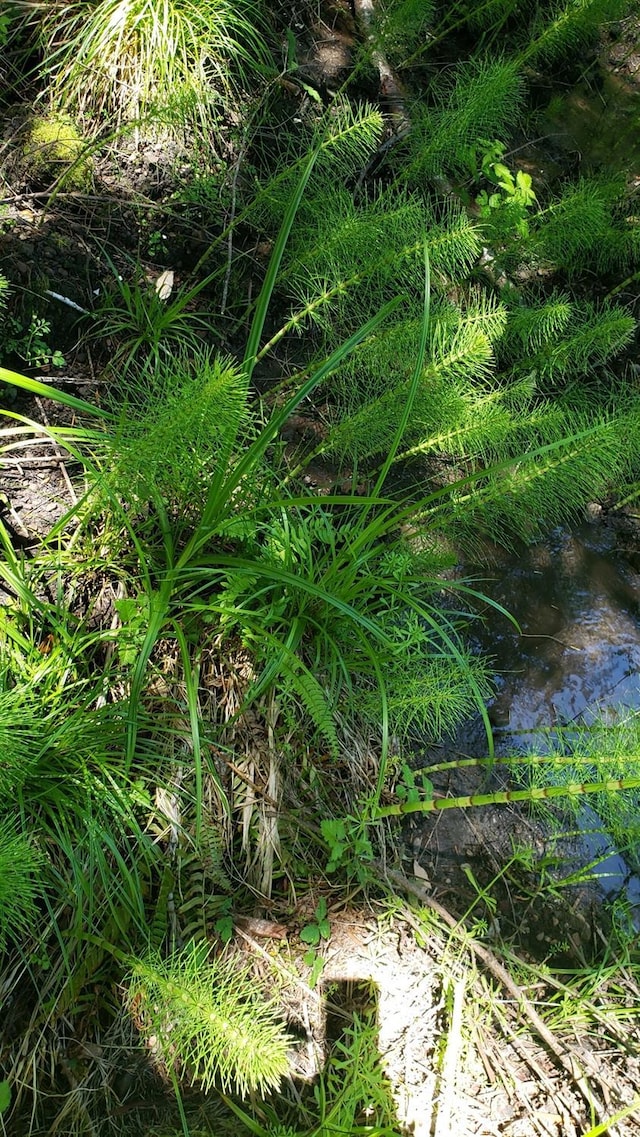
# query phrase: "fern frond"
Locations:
[[198, 881], [210, 1021], [481, 100], [570, 25], [5, 290], [315, 702], [159, 922]]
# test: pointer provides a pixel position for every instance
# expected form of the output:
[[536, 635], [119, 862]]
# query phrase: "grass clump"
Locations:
[[172, 63]]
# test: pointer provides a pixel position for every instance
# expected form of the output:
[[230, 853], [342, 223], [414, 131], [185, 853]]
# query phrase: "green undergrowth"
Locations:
[[212, 671]]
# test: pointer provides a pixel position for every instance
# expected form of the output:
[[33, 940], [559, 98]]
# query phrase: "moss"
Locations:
[[55, 148]]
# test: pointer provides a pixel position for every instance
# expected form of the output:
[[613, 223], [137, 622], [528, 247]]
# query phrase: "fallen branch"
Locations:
[[390, 87]]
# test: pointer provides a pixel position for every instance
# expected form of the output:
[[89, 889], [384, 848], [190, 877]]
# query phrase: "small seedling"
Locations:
[[316, 963], [320, 928], [313, 933], [349, 845]]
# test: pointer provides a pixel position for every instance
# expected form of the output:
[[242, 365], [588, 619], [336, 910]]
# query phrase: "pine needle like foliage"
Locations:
[[20, 740], [346, 259], [569, 27], [480, 100], [519, 499], [428, 690], [587, 228], [401, 27], [133, 60], [346, 140], [605, 749], [177, 429], [210, 1021], [542, 33], [491, 15], [531, 328], [20, 882], [461, 353], [563, 339]]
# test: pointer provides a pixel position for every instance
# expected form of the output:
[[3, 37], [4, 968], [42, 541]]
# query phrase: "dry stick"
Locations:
[[38, 463], [390, 88], [289, 972], [232, 217], [544, 636], [553, 1092], [563, 1057], [63, 468]]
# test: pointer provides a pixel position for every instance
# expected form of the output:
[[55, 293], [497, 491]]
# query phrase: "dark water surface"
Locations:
[[576, 597]]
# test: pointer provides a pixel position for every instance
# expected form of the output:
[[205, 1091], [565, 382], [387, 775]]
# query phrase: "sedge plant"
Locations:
[[172, 63]]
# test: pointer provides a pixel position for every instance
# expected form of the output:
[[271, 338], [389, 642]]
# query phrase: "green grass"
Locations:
[[234, 712], [168, 64]]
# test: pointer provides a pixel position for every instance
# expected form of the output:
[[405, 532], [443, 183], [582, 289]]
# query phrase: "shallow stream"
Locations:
[[576, 598]]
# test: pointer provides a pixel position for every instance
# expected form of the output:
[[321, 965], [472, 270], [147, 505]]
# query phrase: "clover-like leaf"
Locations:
[[310, 934]]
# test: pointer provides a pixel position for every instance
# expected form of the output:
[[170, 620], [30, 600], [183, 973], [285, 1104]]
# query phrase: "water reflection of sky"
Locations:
[[577, 600]]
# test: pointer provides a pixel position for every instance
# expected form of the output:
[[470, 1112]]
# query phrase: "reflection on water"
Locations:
[[577, 600]]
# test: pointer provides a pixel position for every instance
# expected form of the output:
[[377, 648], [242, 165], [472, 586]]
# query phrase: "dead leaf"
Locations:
[[164, 284], [420, 873]]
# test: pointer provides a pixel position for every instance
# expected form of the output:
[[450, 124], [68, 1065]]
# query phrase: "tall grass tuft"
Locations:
[[173, 62]]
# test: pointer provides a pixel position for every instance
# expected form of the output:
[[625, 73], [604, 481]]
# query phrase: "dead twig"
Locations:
[[390, 87], [59, 454]]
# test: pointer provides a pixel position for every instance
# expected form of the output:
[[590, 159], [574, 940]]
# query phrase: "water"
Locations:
[[576, 598]]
